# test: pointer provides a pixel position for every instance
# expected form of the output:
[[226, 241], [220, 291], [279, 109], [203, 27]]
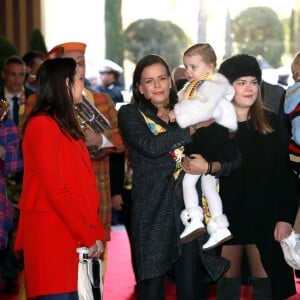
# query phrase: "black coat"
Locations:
[[154, 215], [259, 194], [213, 143]]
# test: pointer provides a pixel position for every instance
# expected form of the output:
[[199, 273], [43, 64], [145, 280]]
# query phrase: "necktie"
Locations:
[[16, 109]]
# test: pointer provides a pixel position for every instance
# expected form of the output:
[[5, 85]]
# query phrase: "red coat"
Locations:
[[59, 204], [100, 165]]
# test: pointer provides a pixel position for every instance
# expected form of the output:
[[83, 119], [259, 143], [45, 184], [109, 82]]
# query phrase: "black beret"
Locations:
[[240, 65]]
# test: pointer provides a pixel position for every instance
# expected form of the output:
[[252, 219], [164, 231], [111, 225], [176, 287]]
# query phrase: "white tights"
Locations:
[[209, 188]]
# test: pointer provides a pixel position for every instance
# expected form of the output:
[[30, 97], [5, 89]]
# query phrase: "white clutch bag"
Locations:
[[291, 250], [90, 277]]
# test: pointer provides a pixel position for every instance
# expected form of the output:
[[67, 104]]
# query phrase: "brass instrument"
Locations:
[[90, 118], [4, 108]]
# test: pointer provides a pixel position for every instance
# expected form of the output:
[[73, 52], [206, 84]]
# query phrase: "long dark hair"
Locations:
[[260, 115], [54, 95], [138, 98]]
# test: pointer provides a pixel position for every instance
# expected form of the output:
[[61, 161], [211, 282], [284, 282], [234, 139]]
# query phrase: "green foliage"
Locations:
[[37, 42], [150, 36], [258, 31], [114, 31], [6, 49]]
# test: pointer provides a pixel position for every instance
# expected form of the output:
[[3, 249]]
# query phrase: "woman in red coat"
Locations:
[[59, 200]]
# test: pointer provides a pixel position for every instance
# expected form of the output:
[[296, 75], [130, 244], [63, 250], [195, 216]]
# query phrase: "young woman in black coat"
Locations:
[[260, 198]]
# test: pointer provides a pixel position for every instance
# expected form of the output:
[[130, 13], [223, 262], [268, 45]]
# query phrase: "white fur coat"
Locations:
[[212, 100]]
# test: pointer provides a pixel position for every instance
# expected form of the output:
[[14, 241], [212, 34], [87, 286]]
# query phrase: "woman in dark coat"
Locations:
[[260, 198], [155, 147]]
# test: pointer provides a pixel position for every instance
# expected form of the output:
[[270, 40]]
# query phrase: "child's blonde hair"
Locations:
[[296, 67], [204, 50]]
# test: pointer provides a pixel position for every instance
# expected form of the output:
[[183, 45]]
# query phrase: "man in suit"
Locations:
[[14, 91]]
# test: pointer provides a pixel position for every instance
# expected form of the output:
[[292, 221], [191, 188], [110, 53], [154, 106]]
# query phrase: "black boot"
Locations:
[[297, 275], [229, 288], [262, 288]]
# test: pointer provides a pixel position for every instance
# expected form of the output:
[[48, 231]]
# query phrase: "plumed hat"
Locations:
[[110, 66], [59, 50], [240, 65]]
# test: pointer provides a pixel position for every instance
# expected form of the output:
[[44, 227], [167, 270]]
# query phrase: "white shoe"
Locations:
[[192, 230], [218, 237], [291, 250]]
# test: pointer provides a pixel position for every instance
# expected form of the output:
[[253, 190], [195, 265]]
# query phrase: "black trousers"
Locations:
[[9, 267], [188, 278]]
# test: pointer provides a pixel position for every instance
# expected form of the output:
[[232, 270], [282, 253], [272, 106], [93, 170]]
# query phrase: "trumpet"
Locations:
[[89, 117], [4, 108]]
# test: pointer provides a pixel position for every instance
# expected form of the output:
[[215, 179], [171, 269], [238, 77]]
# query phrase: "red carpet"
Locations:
[[119, 281]]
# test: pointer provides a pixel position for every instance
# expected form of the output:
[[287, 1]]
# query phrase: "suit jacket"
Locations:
[[273, 97], [25, 94], [58, 207], [100, 165]]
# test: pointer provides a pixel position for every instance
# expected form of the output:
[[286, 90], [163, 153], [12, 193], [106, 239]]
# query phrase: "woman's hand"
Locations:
[[195, 164], [92, 138], [117, 202], [282, 230], [96, 250]]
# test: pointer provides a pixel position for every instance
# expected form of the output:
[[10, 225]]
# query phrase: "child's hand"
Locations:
[[172, 117]]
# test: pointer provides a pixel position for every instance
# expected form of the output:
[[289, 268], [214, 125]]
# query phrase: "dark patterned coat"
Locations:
[[157, 198], [155, 233]]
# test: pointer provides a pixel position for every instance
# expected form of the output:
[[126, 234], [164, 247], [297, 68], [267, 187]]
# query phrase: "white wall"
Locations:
[[76, 20]]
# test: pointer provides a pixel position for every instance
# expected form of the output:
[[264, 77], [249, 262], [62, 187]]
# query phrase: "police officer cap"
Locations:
[[110, 66]]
